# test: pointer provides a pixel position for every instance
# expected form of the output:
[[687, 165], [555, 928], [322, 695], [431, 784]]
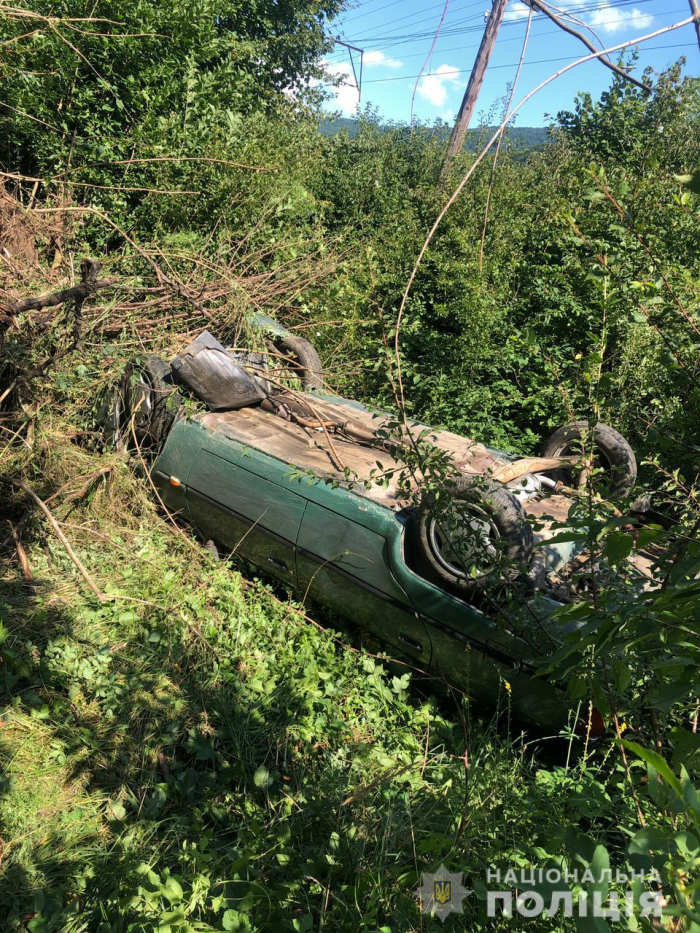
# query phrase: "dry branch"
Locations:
[[543, 8], [20, 484], [21, 554], [78, 293]]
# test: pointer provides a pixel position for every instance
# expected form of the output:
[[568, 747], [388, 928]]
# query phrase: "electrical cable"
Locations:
[[539, 61], [453, 29]]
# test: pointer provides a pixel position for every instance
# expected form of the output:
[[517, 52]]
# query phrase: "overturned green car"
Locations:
[[310, 487]]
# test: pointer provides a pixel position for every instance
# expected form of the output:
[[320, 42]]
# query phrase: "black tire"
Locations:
[[147, 395], [167, 401], [612, 453], [307, 360], [500, 539]]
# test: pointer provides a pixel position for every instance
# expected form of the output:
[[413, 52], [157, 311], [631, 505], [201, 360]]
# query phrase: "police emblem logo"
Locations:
[[441, 893]]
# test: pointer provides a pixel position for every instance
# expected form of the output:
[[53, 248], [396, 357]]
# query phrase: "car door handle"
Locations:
[[279, 564], [410, 643]]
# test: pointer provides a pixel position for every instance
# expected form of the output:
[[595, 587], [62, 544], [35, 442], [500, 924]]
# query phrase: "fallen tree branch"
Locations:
[[78, 293], [90, 269], [20, 484], [175, 284], [543, 8]]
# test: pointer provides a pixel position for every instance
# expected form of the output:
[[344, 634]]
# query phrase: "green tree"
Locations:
[[85, 83]]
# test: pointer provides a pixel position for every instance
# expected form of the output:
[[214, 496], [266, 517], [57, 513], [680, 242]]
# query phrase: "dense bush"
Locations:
[[193, 754]]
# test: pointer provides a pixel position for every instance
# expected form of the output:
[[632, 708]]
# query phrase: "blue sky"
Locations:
[[396, 36]]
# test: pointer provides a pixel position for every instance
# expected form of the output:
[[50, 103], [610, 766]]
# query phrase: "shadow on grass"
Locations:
[[191, 762]]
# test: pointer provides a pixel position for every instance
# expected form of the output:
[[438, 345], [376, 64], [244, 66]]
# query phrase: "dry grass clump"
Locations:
[[156, 300]]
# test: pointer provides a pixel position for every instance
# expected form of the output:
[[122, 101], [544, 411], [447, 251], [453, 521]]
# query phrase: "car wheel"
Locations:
[[145, 395], [480, 540], [155, 402], [306, 360], [611, 453]]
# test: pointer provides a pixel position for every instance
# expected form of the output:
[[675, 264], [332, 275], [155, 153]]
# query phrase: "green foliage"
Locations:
[[104, 84], [193, 754], [201, 758]]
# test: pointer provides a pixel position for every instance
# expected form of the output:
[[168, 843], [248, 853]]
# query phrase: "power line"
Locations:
[[541, 61], [387, 41], [385, 7], [546, 32], [425, 19], [369, 12], [463, 48]]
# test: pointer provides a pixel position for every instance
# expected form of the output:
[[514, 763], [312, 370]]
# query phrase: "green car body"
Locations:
[[348, 552]]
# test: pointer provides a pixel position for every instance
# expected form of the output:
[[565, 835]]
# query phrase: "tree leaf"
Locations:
[[261, 778], [172, 889], [618, 546], [657, 762], [690, 181]]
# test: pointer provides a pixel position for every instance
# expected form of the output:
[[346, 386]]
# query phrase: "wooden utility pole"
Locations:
[[476, 79], [695, 10]]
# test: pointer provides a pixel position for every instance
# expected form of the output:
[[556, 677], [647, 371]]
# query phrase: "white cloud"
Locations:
[[435, 87], [612, 19], [516, 11], [347, 95], [605, 17], [375, 58], [448, 116]]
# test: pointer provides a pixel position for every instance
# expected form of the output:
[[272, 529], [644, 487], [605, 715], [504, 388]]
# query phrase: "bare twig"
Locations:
[[252, 168], [86, 184], [20, 484], [21, 554]]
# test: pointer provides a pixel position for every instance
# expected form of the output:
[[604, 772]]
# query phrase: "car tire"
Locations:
[[146, 394], [497, 519], [614, 453], [307, 361], [167, 402]]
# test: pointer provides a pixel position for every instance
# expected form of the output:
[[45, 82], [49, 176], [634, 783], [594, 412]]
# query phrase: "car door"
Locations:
[[246, 512], [344, 565]]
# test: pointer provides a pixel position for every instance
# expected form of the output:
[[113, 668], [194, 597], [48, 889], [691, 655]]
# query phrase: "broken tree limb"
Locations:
[[78, 293], [511, 471], [20, 484], [89, 269], [543, 8]]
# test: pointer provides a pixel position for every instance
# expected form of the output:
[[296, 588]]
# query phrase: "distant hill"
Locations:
[[525, 137]]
